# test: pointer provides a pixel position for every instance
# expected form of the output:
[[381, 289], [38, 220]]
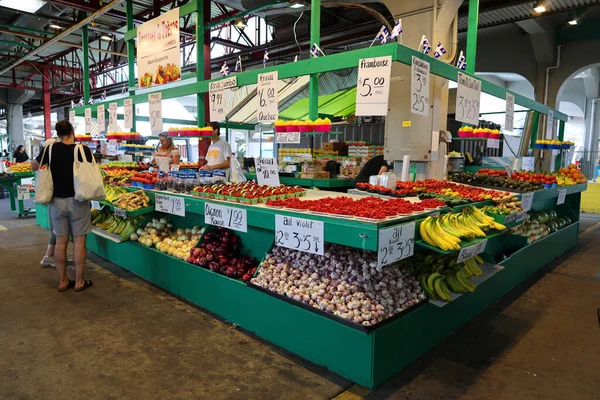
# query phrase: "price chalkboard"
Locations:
[[267, 171], [156, 119], [468, 96], [300, 234], [373, 86], [227, 217], [419, 87], [471, 251], [170, 204], [395, 244], [267, 97]]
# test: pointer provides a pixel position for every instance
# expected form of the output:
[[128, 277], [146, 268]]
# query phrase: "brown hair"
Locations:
[[169, 140], [63, 128]]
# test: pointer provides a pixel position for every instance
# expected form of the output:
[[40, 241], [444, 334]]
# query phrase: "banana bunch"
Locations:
[[446, 232], [442, 281], [111, 223], [112, 192]]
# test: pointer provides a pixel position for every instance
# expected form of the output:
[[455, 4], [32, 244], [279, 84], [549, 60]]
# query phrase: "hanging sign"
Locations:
[[493, 143], [112, 116], [288, 137], [373, 87], [300, 234], [216, 94], [395, 244], [88, 120], [72, 117], [156, 119], [158, 52], [169, 204], [267, 171], [509, 118], [128, 110], [471, 251], [419, 87], [101, 118], [227, 217], [550, 124], [468, 95], [527, 163], [267, 97], [22, 192]]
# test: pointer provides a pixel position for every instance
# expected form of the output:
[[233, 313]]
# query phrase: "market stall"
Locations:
[[18, 192]]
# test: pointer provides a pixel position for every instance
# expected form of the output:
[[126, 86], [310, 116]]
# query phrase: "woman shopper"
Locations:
[[20, 155], [68, 215], [167, 153]]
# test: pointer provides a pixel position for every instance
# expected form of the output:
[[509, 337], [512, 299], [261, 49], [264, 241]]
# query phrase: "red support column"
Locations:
[[47, 103]]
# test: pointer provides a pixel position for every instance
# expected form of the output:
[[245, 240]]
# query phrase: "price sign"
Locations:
[[373, 87], [518, 216], [128, 110], [493, 143], [267, 97], [300, 234], [22, 192], [550, 125], [156, 120], [227, 217], [96, 205], [216, 94], [471, 251], [72, 117], [120, 213], [101, 118], [288, 137], [169, 204], [528, 163], [395, 244], [267, 171], [468, 96], [88, 120], [526, 201], [419, 87], [509, 170], [562, 194], [174, 167], [509, 118], [112, 115]]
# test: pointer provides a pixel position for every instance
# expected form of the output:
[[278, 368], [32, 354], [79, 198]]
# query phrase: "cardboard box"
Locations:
[[314, 175]]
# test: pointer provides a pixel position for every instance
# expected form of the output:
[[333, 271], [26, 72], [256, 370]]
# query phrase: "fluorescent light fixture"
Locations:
[[55, 26], [30, 6], [240, 23], [572, 22], [297, 4], [539, 8], [106, 37]]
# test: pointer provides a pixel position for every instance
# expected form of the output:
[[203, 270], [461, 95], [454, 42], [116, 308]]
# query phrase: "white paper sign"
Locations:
[[395, 244], [468, 96], [562, 194], [156, 119], [493, 143], [216, 94], [88, 120], [112, 116], [128, 110], [96, 205], [550, 125], [471, 251], [528, 163], [120, 213], [100, 117], [526, 201], [518, 216], [288, 137], [227, 217], [300, 234], [419, 87], [509, 118], [267, 171], [373, 87], [174, 167], [158, 53], [169, 204], [267, 97], [509, 170], [22, 192], [72, 117]]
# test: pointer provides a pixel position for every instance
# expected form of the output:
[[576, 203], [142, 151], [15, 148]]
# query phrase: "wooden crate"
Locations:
[[315, 175], [351, 172]]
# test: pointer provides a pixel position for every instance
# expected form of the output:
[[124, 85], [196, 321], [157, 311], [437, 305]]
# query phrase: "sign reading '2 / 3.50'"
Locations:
[[299, 234], [468, 96], [373, 87], [395, 244]]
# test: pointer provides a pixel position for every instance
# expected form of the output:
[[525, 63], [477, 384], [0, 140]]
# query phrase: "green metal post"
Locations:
[[315, 36], [131, 60], [472, 35], [561, 137], [200, 97], [534, 129], [86, 63]]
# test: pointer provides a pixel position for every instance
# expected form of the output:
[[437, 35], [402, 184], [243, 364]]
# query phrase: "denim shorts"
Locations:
[[70, 216]]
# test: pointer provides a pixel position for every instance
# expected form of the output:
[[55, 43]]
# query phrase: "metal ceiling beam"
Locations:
[[63, 34], [88, 7], [229, 43], [18, 44]]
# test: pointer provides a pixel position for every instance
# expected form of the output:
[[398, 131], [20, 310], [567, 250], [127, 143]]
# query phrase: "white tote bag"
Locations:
[[44, 186], [87, 178]]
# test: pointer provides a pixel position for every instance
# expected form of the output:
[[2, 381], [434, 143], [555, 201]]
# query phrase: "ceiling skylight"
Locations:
[[30, 6]]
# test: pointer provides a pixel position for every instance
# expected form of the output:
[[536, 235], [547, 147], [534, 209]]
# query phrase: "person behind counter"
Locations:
[[218, 155], [20, 155], [375, 166], [166, 154]]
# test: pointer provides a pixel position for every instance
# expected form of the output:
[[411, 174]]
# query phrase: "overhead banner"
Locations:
[[158, 57]]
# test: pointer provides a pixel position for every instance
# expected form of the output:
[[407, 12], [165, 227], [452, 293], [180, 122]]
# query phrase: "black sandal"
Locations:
[[86, 284], [69, 286]]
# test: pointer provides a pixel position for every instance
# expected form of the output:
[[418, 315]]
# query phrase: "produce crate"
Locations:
[[351, 172], [315, 175], [135, 213]]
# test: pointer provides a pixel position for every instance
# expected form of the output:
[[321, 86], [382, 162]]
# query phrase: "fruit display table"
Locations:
[[331, 183], [367, 357], [10, 184]]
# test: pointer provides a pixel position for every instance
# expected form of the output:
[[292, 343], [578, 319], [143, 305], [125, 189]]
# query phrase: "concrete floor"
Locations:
[[125, 339]]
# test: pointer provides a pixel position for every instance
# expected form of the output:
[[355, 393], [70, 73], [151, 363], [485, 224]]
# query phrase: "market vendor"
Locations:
[[167, 153], [218, 155], [375, 166]]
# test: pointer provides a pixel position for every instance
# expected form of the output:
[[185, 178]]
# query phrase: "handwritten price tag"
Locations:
[[88, 120], [300, 234], [267, 97], [509, 170], [227, 217], [22, 192], [288, 137], [514, 217], [373, 87], [101, 118], [493, 143], [419, 87], [526, 201], [468, 96], [156, 119], [96, 205], [112, 116], [395, 244], [72, 117], [120, 213], [509, 118], [216, 94], [471, 251], [562, 194], [128, 110], [267, 171], [170, 204], [550, 125]]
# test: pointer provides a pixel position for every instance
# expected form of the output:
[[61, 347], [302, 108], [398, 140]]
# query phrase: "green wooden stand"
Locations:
[[10, 184]]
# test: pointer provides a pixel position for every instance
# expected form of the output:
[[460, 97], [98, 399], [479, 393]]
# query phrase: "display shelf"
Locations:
[[459, 139], [109, 236], [134, 213], [489, 270], [23, 174]]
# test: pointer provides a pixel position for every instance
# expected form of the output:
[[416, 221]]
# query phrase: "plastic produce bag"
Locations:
[[87, 178], [44, 185], [237, 173]]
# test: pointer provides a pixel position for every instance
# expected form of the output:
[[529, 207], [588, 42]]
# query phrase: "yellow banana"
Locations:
[[439, 242], [423, 231], [465, 233], [450, 241], [469, 223]]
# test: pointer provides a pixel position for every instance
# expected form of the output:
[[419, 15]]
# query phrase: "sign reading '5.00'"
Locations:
[[373, 87]]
